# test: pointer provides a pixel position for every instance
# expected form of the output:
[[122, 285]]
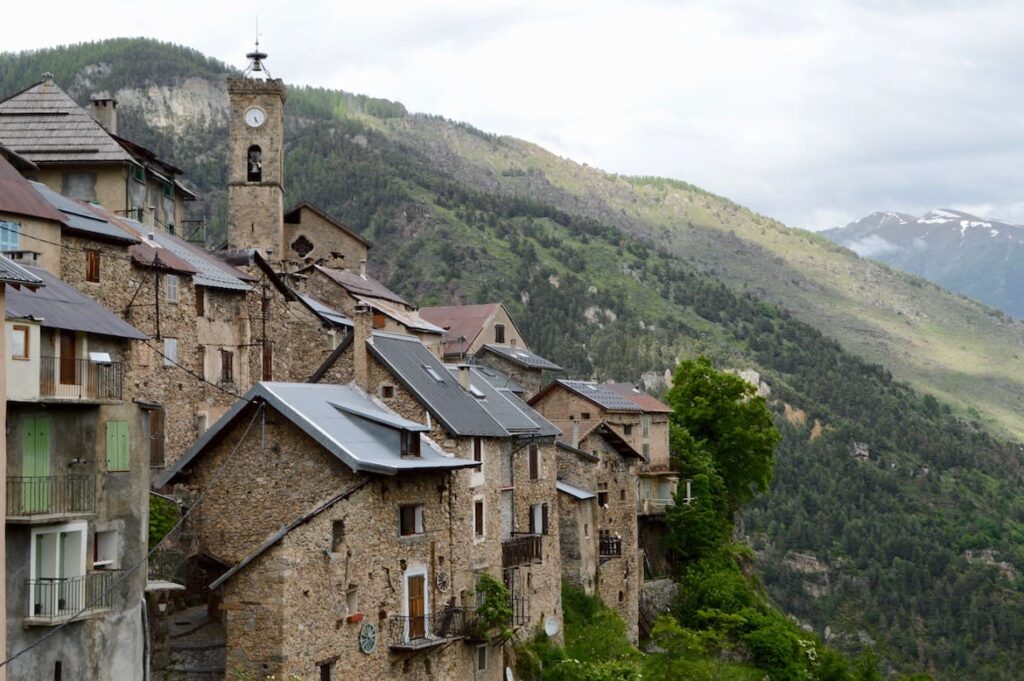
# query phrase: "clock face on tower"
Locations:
[[255, 116]]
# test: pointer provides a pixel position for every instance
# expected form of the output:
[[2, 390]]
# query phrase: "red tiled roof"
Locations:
[[17, 196], [640, 398], [462, 322]]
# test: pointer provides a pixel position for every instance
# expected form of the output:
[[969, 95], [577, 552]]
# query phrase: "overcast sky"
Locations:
[[815, 112]]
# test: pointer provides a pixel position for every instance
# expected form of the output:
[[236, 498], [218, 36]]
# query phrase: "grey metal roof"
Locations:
[[209, 272], [58, 305], [13, 273], [79, 217], [600, 395], [43, 124], [577, 451], [363, 435], [324, 312], [522, 357], [355, 284], [507, 409], [500, 379], [423, 374], [574, 491]]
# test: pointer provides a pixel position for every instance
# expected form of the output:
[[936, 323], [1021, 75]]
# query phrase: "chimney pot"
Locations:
[[464, 376], [362, 330], [104, 111], [576, 434]]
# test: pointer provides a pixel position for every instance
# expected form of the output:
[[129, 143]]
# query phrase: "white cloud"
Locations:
[[812, 111], [871, 245]]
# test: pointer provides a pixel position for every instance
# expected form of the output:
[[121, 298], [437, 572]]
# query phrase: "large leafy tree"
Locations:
[[723, 416]]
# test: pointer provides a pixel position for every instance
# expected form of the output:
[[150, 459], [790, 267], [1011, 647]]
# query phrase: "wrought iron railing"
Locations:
[[57, 599], [80, 378], [653, 506], [50, 495], [522, 550], [167, 565], [420, 631], [609, 547]]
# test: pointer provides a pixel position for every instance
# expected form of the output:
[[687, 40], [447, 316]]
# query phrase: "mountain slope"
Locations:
[[981, 258], [615, 277]]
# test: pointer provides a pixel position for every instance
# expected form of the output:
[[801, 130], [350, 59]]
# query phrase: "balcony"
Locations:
[[419, 632], [79, 379], [653, 506], [38, 500], [60, 599], [609, 547], [521, 550], [520, 610]]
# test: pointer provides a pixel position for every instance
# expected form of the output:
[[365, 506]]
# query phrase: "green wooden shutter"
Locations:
[[117, 446]]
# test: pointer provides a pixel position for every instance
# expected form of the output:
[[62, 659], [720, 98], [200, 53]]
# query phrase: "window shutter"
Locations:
[[534, 463], [117, 446], [533, 520], [543, 518]]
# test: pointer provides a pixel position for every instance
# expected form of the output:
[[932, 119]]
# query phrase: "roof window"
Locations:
[[433, 373]]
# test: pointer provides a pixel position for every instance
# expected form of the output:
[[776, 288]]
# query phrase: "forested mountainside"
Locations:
[[896, 517], [979, 257]]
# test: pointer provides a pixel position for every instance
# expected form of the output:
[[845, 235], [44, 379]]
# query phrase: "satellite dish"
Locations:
[[508, 674], [551, 627]]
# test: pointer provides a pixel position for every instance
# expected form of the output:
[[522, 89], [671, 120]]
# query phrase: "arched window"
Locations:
[[255, 164]]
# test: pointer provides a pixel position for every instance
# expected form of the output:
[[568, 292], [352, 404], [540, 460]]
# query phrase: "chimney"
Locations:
[[104, 110], [576, 434], [464, 376], [362, 318], [362, 268]]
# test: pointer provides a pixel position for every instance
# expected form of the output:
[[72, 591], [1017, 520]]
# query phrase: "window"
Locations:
[[585, 416], [387, 391], [172, 288], [337, 535], [352, 600], [627, 430], [268, 361], [539, 519], [227, 366], [478, 518], [433, 373], [622, 495], [622, 597], [586, 530], [378, 320], [200, 301], [534, 462], [57, 568], [92, 265], [478, 449], [646, 450], [481, 658], [410, 520], [19, 342], [602, 494], [325, 671], [10, 236], [410, 443], [170, 351], [156, 437], [139, 174], [254, 164], [646, 421], [499, 333], [104, 550], [168, 191], [117, 446]]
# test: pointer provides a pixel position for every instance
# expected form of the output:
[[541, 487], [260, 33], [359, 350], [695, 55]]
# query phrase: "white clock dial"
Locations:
[[255, 116]]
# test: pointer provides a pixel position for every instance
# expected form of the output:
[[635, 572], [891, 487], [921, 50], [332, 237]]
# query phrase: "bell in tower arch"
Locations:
[[255, 164]]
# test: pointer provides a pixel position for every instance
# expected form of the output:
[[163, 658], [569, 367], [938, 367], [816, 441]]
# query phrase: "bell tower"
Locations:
[[256, 159]]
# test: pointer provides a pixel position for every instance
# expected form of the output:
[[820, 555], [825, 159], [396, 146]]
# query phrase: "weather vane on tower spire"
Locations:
[[256, 57]]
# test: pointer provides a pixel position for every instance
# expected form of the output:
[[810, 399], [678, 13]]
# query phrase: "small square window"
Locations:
[[627, 429], [387, 392], [92, 265], [602, 499], [585, 416], [10, 236], [20, 342], [410, 520]]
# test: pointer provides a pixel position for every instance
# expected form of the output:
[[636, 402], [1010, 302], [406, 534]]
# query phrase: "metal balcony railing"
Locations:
[[80, 378], [50, 495], [415, 632], [167, 565], [53, 600], [520, 610], [522, 550], [609, 547]]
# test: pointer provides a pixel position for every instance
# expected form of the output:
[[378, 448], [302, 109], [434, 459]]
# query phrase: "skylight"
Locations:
[[475, 392], [433, 374]]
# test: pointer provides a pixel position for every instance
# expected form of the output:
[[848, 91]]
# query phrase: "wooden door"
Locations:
[[35, 464], [417, 611], [67, 358]]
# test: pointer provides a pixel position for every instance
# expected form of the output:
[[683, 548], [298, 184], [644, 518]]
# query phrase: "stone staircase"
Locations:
[[196, 647]]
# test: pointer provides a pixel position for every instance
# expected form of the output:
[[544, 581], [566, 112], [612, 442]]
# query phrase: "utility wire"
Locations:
[[145, 559]]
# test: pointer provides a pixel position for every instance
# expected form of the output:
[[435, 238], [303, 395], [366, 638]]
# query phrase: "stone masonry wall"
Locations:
[[531, 379]]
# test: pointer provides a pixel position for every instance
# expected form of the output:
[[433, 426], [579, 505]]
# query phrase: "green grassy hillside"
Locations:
[[616, 277]]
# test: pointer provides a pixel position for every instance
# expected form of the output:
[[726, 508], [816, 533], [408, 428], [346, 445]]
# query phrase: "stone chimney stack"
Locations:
[[362, 318], [464, 377], [104, 110], [362, 268], [575, 434]]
